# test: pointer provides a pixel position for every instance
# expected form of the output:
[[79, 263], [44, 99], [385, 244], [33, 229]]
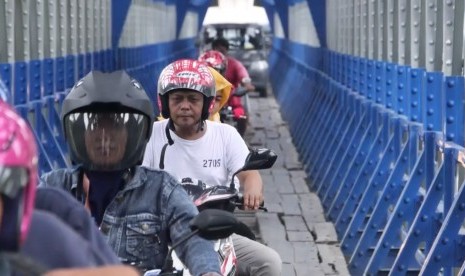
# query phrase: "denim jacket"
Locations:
[[148, 213]]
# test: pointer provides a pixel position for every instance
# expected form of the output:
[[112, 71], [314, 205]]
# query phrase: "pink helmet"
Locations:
[[18, 177], [186, 74], [216, 60]]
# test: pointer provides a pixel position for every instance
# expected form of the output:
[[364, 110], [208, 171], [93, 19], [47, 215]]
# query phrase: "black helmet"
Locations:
[[107, 120]]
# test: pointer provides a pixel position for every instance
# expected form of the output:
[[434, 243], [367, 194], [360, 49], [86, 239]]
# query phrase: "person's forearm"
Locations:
[[247, 178], [196, 253], [200, 256]]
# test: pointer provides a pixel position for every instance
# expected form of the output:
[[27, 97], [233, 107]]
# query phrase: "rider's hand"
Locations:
[[253, 196], [253, 189], [249, 87], [247, 83]]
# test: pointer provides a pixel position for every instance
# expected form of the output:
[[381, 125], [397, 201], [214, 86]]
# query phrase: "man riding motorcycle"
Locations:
[[238, 76], [187, 145], [34, 242], [107, 122]]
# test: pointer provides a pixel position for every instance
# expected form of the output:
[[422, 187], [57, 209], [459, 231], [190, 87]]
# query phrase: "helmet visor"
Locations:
[[13, 180], [106, 140]]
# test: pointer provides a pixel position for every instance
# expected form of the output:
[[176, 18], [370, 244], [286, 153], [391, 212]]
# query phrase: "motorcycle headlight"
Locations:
[[259, 65]]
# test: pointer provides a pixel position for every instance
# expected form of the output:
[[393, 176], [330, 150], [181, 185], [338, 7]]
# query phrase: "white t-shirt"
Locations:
[[213, 158]]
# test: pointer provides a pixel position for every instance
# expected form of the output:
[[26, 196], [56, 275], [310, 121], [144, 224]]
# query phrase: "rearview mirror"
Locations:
[[260, 159]]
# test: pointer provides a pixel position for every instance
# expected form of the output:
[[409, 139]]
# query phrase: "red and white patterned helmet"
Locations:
[[216, 60], [186, 74]]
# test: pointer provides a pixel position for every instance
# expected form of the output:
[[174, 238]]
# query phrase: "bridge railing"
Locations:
[[378, 119], [47, 46]]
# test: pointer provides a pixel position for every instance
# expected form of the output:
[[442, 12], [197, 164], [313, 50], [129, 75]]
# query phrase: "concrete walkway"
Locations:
[[294, 225]]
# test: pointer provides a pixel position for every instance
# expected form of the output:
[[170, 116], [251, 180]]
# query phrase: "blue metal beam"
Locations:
[[181, 10], [318, 10], [282, 8], [270, 9], [199, 6], [119, 12], [201, 13], [199, 3]]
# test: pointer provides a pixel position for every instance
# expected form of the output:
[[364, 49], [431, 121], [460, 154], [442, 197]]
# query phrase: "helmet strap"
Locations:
[[11, 222], [169, 125], [201, 125]]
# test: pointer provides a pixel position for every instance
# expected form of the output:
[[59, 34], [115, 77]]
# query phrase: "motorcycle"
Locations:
[[227, 198], [227, 115], [209, 224]]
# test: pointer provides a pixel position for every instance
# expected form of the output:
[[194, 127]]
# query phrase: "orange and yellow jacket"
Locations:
[[223, 88]]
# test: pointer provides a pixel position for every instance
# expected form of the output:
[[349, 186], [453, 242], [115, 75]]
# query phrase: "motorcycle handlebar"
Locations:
[[240, 91], [240, 204]]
